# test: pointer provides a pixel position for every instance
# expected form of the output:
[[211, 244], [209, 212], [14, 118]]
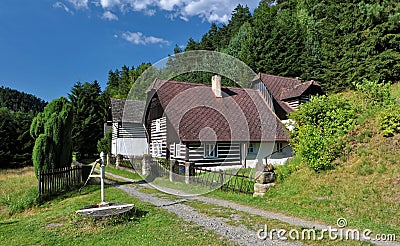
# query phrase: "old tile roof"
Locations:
[[127, 110], [240, 115], [283, 88], [297, 90], [275, 84]]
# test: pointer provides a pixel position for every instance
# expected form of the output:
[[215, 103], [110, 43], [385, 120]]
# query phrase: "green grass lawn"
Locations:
[[127, 174], [55, 223], [18, 190]]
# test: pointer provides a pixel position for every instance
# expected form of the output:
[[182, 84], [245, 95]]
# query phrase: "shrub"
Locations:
[[104, 144], [320, 124], [284, 171], [389, 121], [374, 92]]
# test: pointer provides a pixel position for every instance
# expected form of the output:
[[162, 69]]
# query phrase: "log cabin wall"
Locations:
[[226, 154]]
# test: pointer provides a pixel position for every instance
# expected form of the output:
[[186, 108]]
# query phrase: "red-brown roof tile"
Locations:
[[275, 85], [297, 90], [240, 115]]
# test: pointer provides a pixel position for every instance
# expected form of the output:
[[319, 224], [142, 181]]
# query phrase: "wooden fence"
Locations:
[[227, 180], [54, 181], [160, 168]]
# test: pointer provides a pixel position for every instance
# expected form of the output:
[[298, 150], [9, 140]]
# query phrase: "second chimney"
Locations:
[[216, 85]]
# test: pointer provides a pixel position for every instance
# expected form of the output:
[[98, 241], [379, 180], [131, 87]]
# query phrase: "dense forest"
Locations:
[[20, 101], [17, 109], [333, 42], [336, 43]]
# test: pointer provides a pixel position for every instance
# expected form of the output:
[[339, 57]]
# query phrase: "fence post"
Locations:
[[189, 171], [146, 165], [172, 169], [108, 159], [119, 160], [39, 183], [221, 178]]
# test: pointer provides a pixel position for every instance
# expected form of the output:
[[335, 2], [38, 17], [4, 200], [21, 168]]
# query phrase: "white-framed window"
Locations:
[[156, 148], [252, 149], [210, 150], [279, 147], [177, 149], [158, 125]]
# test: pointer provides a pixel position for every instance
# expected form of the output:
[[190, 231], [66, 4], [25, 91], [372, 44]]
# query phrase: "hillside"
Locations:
[[17, 110], [20, 101], [334, 43], [363, 187]]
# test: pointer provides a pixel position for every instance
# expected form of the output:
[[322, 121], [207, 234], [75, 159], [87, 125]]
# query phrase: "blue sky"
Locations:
[[46, 46]]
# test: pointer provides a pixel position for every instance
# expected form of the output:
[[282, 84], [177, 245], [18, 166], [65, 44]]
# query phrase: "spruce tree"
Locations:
[[89, 107]]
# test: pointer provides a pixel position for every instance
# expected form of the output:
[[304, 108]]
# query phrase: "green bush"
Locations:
[[284, 171], [389, 121], [320, 124], [374, 92], [104, 144]]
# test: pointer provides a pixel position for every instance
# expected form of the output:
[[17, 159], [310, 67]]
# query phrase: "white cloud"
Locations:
[[209, 10], [109, 3], [79, 4], [62, 6], [96, 3], [169, 5], [150, 12], [140, 39], [184, 18], [108, 15]]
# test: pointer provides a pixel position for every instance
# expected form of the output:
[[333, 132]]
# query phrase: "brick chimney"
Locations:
[[216, 86]]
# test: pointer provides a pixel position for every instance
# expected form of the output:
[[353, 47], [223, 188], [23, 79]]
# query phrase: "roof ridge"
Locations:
[[278, 76], [207, 85]]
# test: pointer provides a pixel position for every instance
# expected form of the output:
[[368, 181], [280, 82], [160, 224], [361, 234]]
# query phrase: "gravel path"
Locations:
[[239, 234]]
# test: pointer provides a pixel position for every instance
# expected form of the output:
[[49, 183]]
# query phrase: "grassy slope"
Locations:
[[364, 188]]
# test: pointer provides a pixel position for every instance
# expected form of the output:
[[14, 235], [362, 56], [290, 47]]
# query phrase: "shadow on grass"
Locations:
[[119, 183], [69, 192], [9, 222]]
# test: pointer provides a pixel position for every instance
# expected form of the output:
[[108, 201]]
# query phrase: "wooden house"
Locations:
[[128, 133], [212, 125], [285, 94]]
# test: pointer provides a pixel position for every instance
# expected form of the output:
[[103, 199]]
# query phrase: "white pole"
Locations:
[[102, 175]]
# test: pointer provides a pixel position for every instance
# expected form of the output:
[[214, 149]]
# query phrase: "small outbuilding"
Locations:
[[128, 133]]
